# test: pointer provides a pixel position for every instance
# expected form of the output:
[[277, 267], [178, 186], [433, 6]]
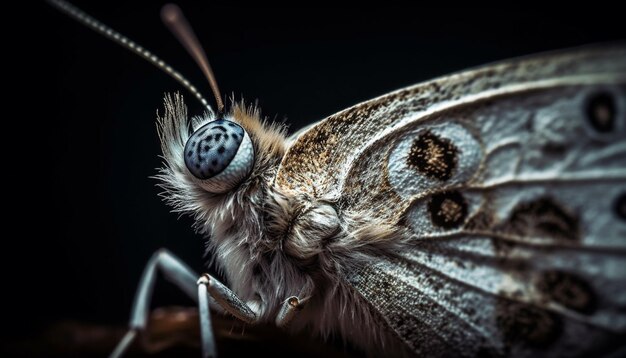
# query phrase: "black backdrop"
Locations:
[[88, 142]]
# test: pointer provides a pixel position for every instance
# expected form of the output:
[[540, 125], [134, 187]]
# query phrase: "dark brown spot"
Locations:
[[543, 218], [568, 290], [601, 112], [448, 209], [620, 206], [433, 156], [527, 325]]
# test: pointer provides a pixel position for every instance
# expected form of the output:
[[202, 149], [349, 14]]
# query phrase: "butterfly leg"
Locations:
[[228, 300], [175, 271], [288, 311]]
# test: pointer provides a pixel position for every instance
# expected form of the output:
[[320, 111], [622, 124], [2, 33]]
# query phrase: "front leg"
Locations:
[[210, 293], [228, 300], [288, 311], [175, 271]]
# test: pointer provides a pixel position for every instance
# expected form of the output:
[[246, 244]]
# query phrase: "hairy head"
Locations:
[[216, 167]]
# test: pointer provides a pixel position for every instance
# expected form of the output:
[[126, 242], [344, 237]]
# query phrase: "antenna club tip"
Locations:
[[170, 13]]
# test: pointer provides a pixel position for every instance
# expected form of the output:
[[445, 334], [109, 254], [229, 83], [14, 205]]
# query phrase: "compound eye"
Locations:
[[220, 154]]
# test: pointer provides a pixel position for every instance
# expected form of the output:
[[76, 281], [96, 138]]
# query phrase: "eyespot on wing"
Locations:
[[432, 157]]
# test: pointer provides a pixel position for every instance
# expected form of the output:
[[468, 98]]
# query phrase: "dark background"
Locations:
[[86, 143]]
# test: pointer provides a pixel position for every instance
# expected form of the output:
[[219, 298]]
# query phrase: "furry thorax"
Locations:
[[270, 246]]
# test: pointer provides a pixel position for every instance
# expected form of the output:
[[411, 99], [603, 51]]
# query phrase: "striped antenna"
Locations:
[[80, 16]]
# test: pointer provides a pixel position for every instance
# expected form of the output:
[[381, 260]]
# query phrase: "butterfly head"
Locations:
[[220, 154], [212, 160]]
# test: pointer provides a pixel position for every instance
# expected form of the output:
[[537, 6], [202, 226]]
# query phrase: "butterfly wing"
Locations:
[[511, 182]]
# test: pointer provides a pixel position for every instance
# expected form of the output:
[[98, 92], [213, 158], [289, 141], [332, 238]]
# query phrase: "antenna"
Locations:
[[85, 19], [174, 19]]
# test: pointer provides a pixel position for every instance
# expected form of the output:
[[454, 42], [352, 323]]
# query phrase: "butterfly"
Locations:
[[478, 213]]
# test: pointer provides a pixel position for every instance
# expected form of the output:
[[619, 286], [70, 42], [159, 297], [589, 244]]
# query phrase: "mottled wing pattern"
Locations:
[[512, 182]]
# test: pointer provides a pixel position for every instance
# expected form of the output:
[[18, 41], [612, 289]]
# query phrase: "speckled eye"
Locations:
[[220, 154]]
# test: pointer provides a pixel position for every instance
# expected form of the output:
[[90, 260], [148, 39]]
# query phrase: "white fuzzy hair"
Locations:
[[270, 246]]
